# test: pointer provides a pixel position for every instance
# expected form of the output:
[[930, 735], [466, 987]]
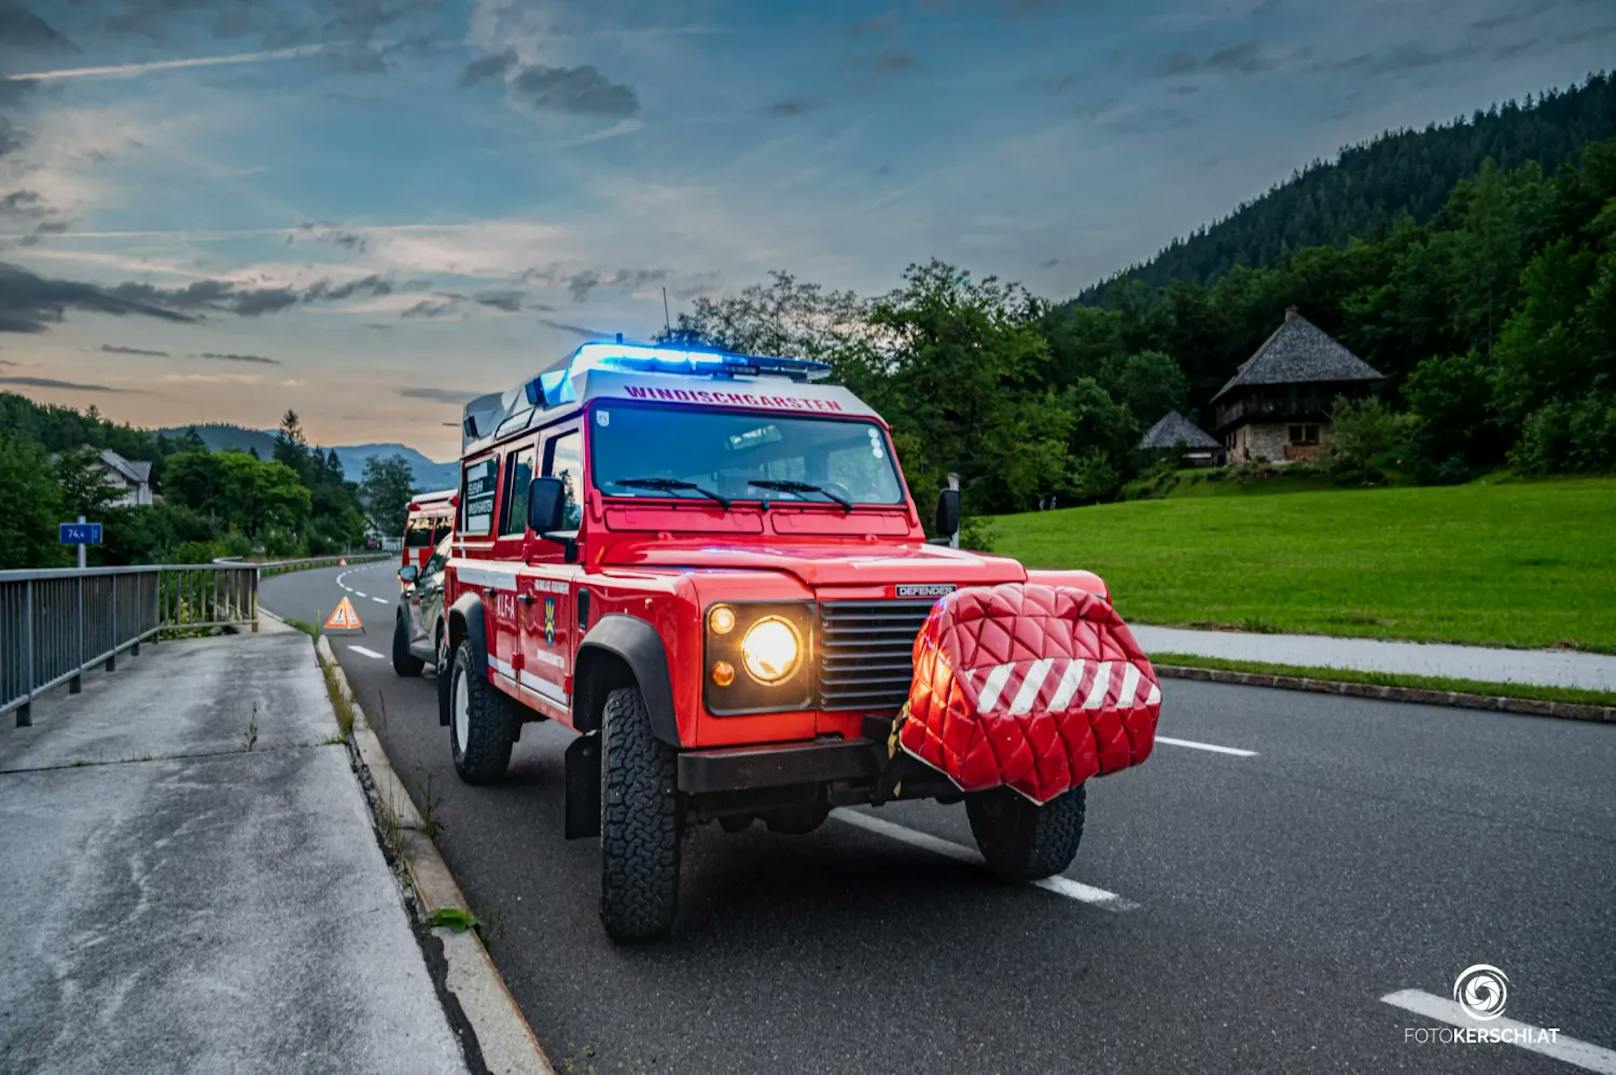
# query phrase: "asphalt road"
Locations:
[[1264, 902]]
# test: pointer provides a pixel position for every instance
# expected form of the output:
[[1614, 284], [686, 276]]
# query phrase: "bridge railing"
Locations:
[[57, 623]]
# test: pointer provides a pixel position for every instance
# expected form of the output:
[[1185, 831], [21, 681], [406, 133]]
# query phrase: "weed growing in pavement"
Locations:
[[429, 803], [307, 628], [341, 705], [456, 919], [387, 824], [252, 728]]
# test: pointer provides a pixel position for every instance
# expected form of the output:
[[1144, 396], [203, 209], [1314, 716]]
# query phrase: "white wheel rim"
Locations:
[[462, 713]]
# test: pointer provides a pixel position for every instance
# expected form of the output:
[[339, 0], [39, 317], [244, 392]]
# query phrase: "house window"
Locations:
[[1305, 434]]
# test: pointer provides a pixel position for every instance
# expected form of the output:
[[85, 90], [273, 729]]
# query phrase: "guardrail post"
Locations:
[[25, 712], [112, 658], [76, 684]]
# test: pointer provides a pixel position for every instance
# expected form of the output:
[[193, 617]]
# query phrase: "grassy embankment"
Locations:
[[1527, 564]]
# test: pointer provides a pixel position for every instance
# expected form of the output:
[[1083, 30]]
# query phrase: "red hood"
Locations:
[[845, 563]]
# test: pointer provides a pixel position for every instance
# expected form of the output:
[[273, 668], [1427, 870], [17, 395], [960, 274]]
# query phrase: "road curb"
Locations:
[[1419, 695], [503, 1035]]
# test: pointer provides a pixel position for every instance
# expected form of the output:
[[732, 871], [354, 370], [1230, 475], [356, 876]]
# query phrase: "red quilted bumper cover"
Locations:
[[1038, 687]]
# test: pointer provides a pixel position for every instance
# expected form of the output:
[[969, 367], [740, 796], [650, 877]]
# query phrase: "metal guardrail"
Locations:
[[270, 568], [57, 623]]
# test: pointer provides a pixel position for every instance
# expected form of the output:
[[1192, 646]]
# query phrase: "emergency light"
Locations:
[[555, 386]]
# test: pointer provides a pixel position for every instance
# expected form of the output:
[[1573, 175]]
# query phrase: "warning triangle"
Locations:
[[344, 618]]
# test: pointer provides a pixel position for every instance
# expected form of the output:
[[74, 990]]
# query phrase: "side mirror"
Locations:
[[948, 513], [546, 505], [409, 572]]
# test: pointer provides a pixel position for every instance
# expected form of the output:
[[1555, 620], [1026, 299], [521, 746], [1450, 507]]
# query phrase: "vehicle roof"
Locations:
[[643, 374]]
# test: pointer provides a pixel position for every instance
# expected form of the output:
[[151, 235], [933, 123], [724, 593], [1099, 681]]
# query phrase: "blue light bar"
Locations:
[[653, 359], [555, 387]]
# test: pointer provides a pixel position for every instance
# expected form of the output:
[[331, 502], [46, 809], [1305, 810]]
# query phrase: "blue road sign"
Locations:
[[79, 534]]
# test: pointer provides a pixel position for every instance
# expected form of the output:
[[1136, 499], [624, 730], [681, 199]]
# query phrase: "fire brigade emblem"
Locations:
[[549, 621]]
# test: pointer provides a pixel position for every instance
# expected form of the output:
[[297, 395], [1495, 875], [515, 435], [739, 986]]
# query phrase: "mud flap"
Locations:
[[582, 761]]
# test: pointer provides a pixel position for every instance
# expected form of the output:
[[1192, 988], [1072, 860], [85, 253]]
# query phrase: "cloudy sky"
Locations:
[[369, 209]]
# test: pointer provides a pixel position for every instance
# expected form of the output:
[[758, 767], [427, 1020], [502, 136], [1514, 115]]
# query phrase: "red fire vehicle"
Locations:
[[431, 517], [709, 567]]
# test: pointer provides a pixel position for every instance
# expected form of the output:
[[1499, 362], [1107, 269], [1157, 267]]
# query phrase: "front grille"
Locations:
[[866, 652]]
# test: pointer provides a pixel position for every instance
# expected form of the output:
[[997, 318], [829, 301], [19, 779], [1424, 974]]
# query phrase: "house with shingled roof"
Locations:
[[1276, 407], [1175, 435]]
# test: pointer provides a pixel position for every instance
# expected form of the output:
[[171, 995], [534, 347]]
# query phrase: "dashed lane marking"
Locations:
[[362, 651], [1213, 747], [379, 600], [1521, 1035], [1061, 886]]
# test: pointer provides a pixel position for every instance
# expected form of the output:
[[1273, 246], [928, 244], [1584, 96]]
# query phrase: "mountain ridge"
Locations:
[[225, 436], [1368, 186]]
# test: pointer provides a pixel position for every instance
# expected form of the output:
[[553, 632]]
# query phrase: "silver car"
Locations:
[[420, 637]]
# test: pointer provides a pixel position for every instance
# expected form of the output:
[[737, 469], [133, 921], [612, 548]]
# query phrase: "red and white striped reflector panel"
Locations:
[[1037, 687]]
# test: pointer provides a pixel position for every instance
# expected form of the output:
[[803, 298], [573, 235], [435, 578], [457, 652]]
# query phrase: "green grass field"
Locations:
[[1527, 564]]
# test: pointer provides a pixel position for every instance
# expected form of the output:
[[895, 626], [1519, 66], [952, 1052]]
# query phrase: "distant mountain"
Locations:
[[220, 436], [429, 475], [1369, 186]]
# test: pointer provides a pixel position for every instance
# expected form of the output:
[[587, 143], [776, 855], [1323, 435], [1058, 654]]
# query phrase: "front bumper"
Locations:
[[777, 765]]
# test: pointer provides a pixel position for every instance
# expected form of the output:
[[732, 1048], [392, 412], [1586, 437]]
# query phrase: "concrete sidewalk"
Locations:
[[1544, 668], [192, 881]]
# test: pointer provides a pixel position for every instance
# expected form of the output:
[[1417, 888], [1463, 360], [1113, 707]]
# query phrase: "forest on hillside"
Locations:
[[1494, 322], [1370, 188]]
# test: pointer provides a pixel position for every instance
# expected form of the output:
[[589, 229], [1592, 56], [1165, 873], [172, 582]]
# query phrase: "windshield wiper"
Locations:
[[669, 485], [805, 487]]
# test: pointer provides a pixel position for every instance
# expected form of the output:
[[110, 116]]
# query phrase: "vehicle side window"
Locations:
[[518, 473], [565, 460], [477, 485]]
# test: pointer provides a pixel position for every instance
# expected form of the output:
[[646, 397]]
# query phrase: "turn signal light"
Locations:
[[721, 620], [723, 673]]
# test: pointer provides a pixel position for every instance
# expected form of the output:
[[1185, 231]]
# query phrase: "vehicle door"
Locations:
[[510, 547], [549, 584], [426, 595]]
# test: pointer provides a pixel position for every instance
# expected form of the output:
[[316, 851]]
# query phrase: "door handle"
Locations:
[[526, 598], [488, 591]]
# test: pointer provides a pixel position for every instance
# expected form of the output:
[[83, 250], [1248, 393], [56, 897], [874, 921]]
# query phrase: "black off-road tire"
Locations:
[[641, 821], [1023, 842], [403, 662], [481, 747]]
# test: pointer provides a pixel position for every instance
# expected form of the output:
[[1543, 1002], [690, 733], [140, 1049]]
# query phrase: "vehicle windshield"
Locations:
[[697, 453]]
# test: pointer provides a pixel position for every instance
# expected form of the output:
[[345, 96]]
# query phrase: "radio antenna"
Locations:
[[667, 326]]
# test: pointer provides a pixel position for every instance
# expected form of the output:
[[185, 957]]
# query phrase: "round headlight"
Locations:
[[770, 650], [721, 620]]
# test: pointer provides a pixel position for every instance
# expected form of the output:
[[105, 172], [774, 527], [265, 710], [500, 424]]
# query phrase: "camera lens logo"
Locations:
[[1481, 991]]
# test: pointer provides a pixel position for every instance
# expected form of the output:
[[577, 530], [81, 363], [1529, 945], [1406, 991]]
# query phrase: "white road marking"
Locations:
[[379, 600], [1062, 886], [1213, 747], [360, 593], [366, 652], [1521, 1035]]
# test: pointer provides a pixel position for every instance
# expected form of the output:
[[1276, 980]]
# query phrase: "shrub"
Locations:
[[1369, 440], [1568, 436]]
